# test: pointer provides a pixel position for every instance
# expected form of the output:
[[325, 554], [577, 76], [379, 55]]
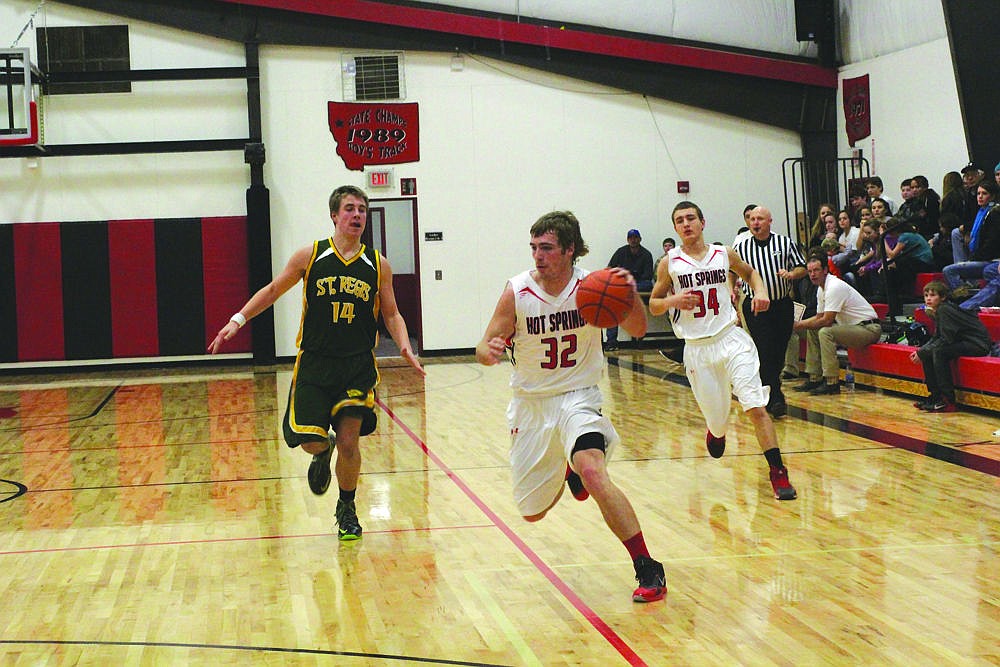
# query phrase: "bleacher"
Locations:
[[888, 365]]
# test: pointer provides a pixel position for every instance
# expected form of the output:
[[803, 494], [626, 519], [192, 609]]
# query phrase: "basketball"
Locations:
[[604, 299]]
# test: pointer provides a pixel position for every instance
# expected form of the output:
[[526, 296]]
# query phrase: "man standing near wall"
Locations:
[[638, 261], [779, 263]]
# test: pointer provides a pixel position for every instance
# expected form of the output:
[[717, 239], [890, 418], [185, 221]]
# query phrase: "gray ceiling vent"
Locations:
[[373, 76]]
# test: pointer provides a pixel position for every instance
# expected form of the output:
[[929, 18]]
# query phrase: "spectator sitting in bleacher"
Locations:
[[847, 243], [857, 199], [972, 254], [865, 270], [972, 176], [958, 333], [925, 205], [906, 208], [910, 255], [873, 184], [818, 230], [876, 269], [831, 247], [953, 199], [843, 317], [864, 215], [668, 245], [941, 242], [880, 208]]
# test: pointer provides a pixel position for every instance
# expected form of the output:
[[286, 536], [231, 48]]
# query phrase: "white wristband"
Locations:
[[239, 319]]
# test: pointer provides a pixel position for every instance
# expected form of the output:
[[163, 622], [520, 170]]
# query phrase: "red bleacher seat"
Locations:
[[980, 374], [887, 359], [992, 322], [923, 279]]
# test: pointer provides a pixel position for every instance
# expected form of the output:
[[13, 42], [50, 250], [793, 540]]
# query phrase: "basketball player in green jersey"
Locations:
[[346, 285]]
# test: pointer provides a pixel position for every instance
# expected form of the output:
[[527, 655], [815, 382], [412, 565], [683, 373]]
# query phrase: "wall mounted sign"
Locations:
[[369, 133], [380, 178], [857, 109]]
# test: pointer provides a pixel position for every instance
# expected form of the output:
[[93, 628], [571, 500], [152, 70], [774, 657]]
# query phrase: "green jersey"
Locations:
[[340, 301]]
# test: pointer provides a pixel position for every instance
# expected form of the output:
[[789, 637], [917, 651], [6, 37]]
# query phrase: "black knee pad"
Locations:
[[592, 440]]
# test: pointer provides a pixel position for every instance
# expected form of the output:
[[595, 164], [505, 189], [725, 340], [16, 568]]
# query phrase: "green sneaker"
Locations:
[[347, 521]]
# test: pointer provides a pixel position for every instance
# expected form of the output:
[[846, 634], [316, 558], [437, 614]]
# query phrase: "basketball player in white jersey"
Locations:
[[555, 414], [719, 357]]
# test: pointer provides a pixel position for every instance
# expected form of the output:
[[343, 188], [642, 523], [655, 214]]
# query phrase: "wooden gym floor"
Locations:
[[156, 518]]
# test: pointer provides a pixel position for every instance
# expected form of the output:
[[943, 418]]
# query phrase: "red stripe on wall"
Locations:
[[226, 277], [38, 289], [132, 264], [570, 40]]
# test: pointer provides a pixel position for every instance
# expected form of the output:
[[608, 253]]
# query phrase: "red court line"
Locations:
[[100, 547], [588, 613]]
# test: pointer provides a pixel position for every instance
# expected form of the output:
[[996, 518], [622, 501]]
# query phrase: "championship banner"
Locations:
[[368, 134], [857, 108]]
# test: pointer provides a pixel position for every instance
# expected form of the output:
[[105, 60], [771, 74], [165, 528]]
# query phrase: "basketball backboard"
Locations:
[[19, 79]]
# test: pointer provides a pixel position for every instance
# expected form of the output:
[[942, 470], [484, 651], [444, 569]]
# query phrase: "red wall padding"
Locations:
[[38, 282], [38, 269], [132, 261], [226, 277]]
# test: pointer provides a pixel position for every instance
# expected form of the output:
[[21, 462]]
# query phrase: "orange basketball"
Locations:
[[604, 299]]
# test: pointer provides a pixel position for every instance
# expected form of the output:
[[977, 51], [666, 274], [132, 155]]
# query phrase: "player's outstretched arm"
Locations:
[[265, 297], [394, 321], [490, 349]]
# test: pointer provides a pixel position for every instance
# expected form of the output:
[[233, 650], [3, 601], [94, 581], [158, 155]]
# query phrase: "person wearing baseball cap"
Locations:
[[639, 262], [972, 176]]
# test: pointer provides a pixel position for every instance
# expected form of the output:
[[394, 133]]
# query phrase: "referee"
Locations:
[[779, 263]]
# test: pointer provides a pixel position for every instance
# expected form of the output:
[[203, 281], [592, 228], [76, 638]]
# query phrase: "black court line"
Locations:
[[6, 493], [63, 422], [933, 450], [261, 649]]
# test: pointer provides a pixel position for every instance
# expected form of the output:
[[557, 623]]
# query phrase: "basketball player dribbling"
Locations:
[[719, 357], [555, 414]]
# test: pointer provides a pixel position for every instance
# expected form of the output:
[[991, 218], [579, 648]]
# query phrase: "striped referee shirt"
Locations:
[[778, 252]]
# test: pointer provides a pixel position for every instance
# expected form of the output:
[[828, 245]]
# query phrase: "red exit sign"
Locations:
[[380, 178]]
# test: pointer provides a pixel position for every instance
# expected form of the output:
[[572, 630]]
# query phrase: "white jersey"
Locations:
[[553, 349], [710, 278]]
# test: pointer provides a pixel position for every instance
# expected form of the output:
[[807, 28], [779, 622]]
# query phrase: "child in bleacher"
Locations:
[[830, 247], [958, 333]]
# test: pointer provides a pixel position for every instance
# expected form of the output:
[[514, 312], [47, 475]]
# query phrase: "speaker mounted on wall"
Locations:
[[814, 20]]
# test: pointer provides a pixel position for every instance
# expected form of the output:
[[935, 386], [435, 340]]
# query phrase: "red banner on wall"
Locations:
[[857, 108], [372, 133]]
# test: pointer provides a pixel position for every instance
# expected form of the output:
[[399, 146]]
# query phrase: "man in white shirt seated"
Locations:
[[843, 317]]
